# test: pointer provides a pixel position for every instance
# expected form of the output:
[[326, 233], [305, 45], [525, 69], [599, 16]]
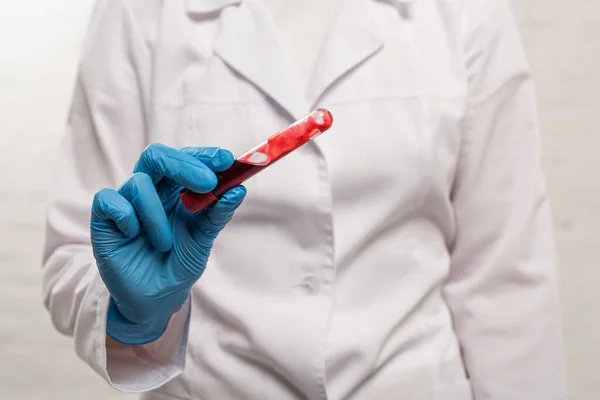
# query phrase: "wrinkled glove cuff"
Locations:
[[129, 333]]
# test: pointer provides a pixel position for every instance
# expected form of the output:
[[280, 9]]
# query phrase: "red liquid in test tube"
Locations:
[[265, 154]]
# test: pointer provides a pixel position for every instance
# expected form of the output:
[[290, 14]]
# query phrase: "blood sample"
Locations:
[[265, 154]]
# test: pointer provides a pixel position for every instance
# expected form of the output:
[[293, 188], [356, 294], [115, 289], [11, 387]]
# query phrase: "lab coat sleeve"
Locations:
[[105, 135], [502, 286]]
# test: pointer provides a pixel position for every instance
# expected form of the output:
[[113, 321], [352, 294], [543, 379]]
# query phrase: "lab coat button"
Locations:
[[311, 286]]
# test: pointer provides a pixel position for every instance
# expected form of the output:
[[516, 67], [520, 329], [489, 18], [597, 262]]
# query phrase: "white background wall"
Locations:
[[39, 43]]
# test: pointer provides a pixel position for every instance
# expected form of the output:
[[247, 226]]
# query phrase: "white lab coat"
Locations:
[[405, 254]]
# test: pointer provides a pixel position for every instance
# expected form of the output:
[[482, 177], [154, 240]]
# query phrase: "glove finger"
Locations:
[[212, 220], [108, 205], [142, 195], [159, 161], [215, 158], [222, 211]]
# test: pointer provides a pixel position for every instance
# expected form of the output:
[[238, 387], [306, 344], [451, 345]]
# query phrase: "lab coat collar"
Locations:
[[247, 42], [352, 39]]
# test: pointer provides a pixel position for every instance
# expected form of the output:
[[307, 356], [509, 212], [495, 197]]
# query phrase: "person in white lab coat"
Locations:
[[405, 254]]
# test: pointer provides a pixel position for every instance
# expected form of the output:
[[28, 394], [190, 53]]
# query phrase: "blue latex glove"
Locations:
[[149, 248]]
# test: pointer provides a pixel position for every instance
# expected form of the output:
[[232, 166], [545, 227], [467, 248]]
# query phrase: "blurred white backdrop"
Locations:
[[39, 45]]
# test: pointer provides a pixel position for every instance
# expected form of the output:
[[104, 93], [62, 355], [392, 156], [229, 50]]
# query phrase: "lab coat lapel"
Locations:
[[246, 41], [352, 39]]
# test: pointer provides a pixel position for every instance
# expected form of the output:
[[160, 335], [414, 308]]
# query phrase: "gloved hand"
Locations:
[[149, 249]]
